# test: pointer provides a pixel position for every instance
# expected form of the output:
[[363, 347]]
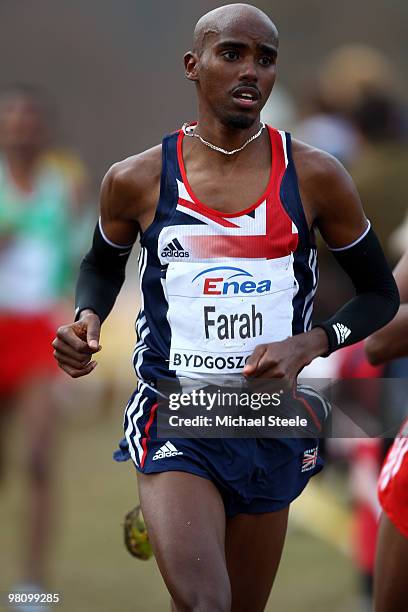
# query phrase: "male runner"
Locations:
[[219, 199], [390, 578]]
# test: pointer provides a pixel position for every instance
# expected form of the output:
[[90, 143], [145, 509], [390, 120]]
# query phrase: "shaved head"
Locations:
[[223, 18], [233, 64]]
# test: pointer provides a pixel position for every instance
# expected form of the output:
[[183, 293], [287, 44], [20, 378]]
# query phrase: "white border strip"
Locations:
[[113, 244], [363, 235]]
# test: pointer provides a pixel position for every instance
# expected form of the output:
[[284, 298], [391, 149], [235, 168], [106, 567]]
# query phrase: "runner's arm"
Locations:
[[102, 270], [129, 196], [341, 221]]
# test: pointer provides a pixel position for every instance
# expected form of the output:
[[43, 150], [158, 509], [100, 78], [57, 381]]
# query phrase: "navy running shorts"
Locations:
[[253, 475]]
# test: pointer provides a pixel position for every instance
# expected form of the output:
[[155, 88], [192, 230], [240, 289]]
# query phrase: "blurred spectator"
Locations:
[[324, 125], [352, 112], [342, 83], [351, 71], [380, 171], [36, 226], [330, 132]]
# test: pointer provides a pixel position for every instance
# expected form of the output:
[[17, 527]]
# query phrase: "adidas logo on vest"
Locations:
[[167, 450], [174, 249], [342, 332]]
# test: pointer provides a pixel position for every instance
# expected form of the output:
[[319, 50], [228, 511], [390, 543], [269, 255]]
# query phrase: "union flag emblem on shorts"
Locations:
[[309, 459]]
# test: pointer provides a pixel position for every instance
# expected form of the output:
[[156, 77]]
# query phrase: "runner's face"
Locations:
[[21, 125], [236, 73]]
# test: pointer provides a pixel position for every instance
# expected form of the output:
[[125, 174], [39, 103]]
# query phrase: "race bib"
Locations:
[[219, 313]]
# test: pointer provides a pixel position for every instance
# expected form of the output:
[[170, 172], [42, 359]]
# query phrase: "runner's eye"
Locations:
[[231, 56], [265, 60]]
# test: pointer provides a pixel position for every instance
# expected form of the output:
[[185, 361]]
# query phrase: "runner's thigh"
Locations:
[[254, 544], [185, 518]]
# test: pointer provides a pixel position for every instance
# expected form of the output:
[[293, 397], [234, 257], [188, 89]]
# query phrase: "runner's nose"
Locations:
[[249, 71]]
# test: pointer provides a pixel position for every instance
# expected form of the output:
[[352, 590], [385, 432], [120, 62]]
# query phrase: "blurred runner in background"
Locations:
[[35, 271], [364, 456], [390, 581]]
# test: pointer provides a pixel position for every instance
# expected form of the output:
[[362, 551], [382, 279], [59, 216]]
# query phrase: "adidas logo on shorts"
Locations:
[[174, 249], [167, 450]]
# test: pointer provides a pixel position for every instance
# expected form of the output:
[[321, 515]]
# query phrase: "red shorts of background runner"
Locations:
[[393, 482], [365, 519], [26, 351]]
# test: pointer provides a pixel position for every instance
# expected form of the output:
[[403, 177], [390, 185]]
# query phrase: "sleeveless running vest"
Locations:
[[215, 285]]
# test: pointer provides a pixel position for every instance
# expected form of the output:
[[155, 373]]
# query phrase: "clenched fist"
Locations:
[[76, 343]]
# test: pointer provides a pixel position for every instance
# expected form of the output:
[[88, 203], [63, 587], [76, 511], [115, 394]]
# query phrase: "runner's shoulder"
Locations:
[[137, 173], [320, 175], [313, 163], [132, 186]]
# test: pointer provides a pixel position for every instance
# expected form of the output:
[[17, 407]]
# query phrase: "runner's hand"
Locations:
[[286, 358], [75, 343]]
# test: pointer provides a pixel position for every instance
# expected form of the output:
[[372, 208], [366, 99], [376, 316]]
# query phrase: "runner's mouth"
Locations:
[[246, 97]]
